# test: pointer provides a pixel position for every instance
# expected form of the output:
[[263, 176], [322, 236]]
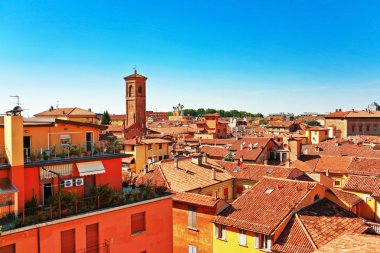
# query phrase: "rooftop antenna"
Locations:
[[57, 103], [134, 69], [17, 99]]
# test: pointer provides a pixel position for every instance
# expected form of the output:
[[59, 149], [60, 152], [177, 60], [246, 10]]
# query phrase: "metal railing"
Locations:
[[68, 204], [69, 151], [374, 227]]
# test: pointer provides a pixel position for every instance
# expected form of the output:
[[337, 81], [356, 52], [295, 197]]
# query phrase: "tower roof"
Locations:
[[135, 75]]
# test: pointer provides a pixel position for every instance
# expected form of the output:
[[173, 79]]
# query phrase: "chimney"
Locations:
[[196, 158], [213, 174], [287, 163], [204, 158], [317, 149], [176, 163], [250, 146], [266, 162], [89, 109], [241, 159]]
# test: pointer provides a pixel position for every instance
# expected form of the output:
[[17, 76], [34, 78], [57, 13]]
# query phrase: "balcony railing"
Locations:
[[373, 227], [66, 203], [69, 151]]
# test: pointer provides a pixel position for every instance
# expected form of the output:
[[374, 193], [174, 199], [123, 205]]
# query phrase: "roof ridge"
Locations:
[[290, 180], [305, 231], [163, 175]]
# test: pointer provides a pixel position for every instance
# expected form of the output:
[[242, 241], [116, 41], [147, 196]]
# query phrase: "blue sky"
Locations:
[[260, 56]]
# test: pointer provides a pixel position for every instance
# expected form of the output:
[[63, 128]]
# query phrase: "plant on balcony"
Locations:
[[45, 156], [30, 205], [74, 151], [82, 151], [39, 157], [52, 152], [66, 198], [106, 194], [160, 190]]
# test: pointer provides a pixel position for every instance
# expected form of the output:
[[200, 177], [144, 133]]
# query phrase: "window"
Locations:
[[65, 140], [160, 146], [353, 128], [133, 148], [239, 190], [137, 223], [220, 232], [316, 197], [375, 127], [149, 146], [242, 238], [193, 249], [68, 241], [192, 217], [130, 91], [8, 249], [337, 182], [360, 128], [92, 238], [367, 128], [139, 90], [160, 158], [225, 191], [261, 241]]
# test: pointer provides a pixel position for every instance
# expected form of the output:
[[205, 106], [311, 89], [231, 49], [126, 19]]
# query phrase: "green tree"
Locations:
[[201, 112], [106, 119], [312, 122]]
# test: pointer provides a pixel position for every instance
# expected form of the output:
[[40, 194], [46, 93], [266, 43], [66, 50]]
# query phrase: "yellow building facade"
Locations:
[[146, 152]]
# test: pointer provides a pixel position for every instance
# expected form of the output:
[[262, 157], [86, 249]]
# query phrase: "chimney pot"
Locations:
[[176, 163], [213, 175]]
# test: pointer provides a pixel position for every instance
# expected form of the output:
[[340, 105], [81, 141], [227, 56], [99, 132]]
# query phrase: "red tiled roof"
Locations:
[[331, 148], [195, 199], [354, 114], [294, 239], [70, 111], [115, 128], [349, 199], [316, 225], [246, 153], [118, 116], [257, 171], [263, 207], [365, 184], [334, 164], [189, 176], [352, 243], [215, 151], [365, 166], [303, 166]]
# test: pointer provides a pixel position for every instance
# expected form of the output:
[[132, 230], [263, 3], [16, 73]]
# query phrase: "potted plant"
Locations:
[[45, 156], [74, 152], [52, 153], [39, 156]]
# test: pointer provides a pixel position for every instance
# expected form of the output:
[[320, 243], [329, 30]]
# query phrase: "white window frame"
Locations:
[[242, 237], [65, 137], [192, 249], [220, 232]]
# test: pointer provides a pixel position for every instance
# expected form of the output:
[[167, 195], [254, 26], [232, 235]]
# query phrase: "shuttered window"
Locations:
[[68, 241], [242, 238], [137, 222], [92, 238], [225, 193], [192, 249], [192, 217], [8, 249]]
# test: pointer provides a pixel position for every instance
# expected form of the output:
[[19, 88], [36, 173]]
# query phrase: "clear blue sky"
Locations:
[[256, 55]]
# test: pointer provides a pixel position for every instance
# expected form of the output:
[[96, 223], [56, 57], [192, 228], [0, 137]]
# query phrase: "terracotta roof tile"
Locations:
[[70, 111], [316, 225], [263, 207], [365, 184], [352, 243], [215, 151], [195, 199], [348, 198], [257, 171]]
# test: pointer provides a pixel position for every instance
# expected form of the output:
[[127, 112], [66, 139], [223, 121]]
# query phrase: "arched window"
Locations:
[[140, 90], [316, 197], [130, 92]]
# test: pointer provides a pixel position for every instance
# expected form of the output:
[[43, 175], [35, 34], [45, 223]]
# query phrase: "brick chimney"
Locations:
[[196, 158], [176, 163]]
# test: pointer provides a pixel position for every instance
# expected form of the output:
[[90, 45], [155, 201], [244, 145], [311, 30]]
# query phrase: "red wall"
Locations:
[[114, 226], [183, 237]]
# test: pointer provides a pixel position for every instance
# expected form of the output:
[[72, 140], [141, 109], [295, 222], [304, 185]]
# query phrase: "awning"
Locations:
[[91, 168], [62, 169], [6, 186]]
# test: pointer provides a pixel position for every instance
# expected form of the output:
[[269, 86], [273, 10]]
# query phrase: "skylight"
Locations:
[[270, 171], [236, 169], [269, 191]]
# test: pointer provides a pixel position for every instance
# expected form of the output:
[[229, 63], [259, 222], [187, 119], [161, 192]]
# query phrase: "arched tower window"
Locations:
[[316, 197], [130, 92], [140, 90]]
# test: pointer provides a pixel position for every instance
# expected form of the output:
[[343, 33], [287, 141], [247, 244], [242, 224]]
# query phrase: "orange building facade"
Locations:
[[61, 191]]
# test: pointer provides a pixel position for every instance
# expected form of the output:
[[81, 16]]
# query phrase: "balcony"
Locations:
[[59, 153], [64, 204]]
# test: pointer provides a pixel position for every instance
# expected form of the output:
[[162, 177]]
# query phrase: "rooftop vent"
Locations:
[[270, 171]]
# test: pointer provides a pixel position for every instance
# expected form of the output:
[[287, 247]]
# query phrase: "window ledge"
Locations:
[[138, 232], [223, 240], [193, 229], [245, 246]]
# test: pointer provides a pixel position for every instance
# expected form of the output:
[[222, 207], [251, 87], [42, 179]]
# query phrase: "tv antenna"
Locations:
[[17, 99]]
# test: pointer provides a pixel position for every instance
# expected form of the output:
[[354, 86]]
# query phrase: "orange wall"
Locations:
[[114, 226], [182, 236]]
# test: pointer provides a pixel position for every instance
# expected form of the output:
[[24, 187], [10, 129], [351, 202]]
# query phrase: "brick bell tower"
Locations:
[[136, 101]]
